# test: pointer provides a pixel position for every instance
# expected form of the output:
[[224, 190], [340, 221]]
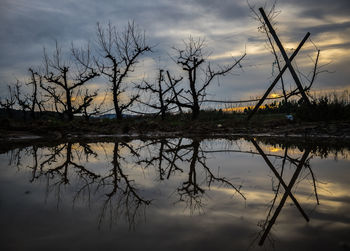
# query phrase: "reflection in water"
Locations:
[[122, 187], [58, 164], [114, 177], [267, 225], [190, 191]]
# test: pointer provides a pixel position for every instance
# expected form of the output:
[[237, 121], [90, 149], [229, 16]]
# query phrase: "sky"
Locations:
[[226, 25]]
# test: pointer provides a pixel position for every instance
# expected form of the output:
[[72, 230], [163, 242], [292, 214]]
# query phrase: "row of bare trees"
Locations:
[[61, 83]]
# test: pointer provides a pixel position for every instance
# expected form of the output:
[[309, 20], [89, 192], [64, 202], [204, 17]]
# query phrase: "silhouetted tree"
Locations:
[[9, 101], [35, 99], [120, 51], [22, 99], [63, 82], [31, 101], [173, 82], [192, 59], [164, 91]]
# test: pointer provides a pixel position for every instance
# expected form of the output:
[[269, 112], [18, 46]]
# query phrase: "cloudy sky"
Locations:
[[26, 26]]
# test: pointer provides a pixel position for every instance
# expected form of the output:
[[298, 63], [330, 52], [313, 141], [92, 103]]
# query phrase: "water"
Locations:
[[176, 194]]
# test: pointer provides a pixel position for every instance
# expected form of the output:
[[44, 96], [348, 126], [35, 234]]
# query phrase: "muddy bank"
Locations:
[[270, 128], [32, 131]]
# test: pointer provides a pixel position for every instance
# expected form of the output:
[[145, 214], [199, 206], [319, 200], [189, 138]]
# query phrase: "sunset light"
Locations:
[[174, 125]]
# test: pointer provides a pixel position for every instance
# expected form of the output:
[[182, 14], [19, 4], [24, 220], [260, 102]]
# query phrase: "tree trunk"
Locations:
[[118, 111], [161, 101], [195, 111], [192, 78], [69, 105]]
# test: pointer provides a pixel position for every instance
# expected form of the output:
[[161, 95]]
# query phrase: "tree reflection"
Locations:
[[61, 170], [123, 189], [60, 164], [117, 192], [191, 190], [168, 153]]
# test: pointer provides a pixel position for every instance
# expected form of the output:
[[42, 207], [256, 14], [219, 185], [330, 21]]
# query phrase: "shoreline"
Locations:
[[20, 137], [310, 130], [274, 129], [320, 142]]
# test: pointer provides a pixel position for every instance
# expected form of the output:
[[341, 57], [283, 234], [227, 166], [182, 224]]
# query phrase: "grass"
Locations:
[[329, 107], [323, 111]]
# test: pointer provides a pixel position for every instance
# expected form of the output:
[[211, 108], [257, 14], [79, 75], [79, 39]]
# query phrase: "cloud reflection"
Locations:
[[151, 186]]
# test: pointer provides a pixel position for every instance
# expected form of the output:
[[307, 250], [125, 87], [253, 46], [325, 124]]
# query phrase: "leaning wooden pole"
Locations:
[[285, 56], [278, 77]]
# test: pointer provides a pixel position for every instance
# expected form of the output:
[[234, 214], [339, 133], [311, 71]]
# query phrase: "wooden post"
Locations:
[[284, 54], [278, 77]]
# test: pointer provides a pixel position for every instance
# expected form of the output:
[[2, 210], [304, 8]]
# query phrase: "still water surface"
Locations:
[[176, 194]]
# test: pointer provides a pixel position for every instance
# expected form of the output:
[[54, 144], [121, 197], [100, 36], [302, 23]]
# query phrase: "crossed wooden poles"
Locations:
[[286, 187], [288, 65]]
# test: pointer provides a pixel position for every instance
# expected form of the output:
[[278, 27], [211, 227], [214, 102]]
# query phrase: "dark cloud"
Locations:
[[27, 26], [256, 39], [321, 8], [225, 9], [333, 27]]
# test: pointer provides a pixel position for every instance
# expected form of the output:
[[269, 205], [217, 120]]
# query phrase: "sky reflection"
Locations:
[[171, 194]]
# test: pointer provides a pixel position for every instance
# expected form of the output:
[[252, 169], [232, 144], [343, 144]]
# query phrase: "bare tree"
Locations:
[[192, 59], [173, 82], [35, 100], [165, 93], [93, 109], [21, 98], [63, 81], [29, 102], [120, 51], [9, 101]]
